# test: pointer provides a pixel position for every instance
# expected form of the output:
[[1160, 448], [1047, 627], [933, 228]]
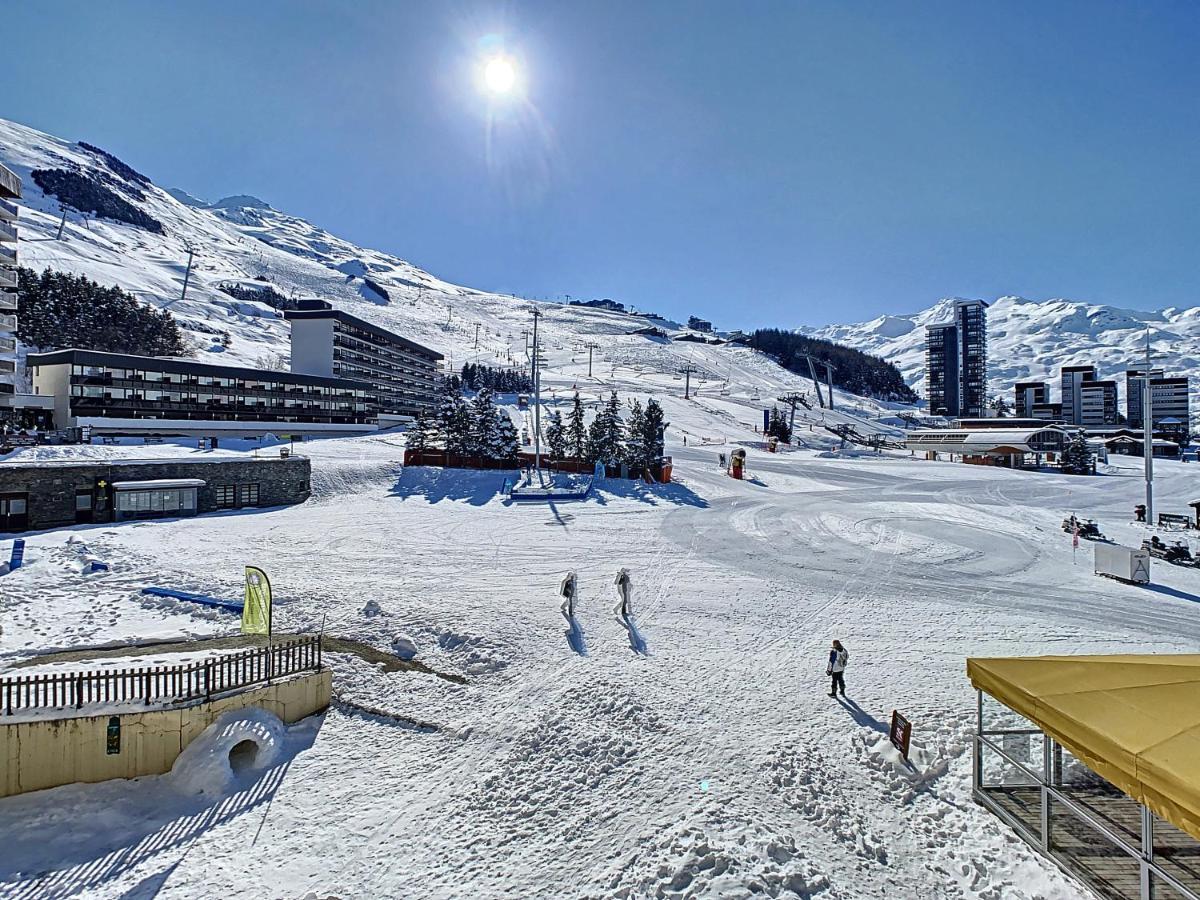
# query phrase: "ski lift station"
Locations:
[[1014, 448], [1095, 762]]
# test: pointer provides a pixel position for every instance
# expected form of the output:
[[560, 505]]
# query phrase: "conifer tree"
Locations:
[[556, 437], [508, 442], [634, 453], [485, 427], [418, 433], [577, 430], [1076, 457], [655, 427]]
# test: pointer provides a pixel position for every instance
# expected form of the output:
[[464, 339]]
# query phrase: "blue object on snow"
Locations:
[[96, 566], [506, 488], [202, 599], [18, 555]]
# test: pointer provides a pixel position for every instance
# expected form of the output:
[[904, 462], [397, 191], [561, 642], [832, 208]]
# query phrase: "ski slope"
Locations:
[[707, 762]]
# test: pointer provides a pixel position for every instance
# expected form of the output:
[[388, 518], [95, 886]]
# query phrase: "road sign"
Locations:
[[901, 733]]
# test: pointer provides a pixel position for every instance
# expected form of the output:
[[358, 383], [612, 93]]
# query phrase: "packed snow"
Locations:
[[689, 750]]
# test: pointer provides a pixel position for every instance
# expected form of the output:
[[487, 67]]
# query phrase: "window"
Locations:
[[247, 495], [83, 500], [226, 498]]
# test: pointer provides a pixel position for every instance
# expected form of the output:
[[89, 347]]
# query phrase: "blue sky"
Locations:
[[757, 163]]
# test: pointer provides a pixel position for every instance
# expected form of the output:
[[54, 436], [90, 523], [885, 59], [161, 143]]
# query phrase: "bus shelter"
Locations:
[[1095, 761]]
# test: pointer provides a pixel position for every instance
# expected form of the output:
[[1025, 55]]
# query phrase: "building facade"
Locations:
[[1168, 401], [113, 393], [52, 494], [1073, 378], [1097, 404], [1027, 395], [956, 362], [331, 343], [941, 370], [10, 191]]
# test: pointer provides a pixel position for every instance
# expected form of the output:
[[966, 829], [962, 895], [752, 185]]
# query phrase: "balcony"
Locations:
[[8, 302], [8, 278], [10, 184], [7, 366], [8, 257], [8, 323], [8, 211], [8, 344], [8, 232]]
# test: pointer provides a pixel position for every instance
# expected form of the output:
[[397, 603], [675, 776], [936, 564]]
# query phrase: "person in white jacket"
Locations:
[[838, 656]]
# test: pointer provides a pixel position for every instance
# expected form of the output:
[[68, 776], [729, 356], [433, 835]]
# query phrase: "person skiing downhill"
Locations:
[[837, 668]]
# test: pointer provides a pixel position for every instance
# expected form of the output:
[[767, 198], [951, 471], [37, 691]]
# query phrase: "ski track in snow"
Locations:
[[712, 765]]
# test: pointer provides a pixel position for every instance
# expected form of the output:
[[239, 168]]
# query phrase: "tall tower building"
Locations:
[[10, 190], [956, 362]]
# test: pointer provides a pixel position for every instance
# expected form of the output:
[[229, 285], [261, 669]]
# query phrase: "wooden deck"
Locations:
[[1091, 856]]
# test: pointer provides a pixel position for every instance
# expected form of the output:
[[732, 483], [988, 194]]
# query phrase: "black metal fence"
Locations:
[[162, 684]]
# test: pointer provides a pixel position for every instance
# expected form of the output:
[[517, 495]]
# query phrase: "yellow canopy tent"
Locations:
[[1134, 720]]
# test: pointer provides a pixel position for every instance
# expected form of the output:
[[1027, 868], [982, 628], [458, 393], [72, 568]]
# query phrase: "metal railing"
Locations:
[[161, 684], [1045, 783]]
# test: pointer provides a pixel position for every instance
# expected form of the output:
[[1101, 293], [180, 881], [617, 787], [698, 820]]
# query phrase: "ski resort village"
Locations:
[[324, 577]]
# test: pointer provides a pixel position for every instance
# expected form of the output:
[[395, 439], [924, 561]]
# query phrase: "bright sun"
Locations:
[[499, 75]]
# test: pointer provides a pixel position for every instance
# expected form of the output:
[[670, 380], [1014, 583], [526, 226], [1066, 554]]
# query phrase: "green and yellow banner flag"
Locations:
[[256, 613]]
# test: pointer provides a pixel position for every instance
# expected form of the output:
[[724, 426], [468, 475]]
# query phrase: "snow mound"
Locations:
[[235, 748], [404, 646]]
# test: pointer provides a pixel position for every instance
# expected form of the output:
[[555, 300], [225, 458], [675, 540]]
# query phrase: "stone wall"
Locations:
[[44, 753], [52, 486]]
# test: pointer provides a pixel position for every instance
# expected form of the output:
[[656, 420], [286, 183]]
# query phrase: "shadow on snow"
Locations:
[[118, 825], [473, 486]]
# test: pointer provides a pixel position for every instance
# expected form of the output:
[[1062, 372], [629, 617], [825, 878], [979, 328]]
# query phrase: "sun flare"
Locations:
[[499, 75]]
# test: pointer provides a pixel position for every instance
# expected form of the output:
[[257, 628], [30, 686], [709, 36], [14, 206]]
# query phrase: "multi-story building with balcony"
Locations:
[[956, 362], [1168, 401], [1097, 404], [10, 191], [1027, 395], [113, 393], [1072, 379], [332, 343]]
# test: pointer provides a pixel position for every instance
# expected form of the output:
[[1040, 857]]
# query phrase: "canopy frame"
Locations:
[[1047, 779]]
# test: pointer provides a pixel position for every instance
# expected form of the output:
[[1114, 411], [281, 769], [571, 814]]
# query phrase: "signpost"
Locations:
[[900, 733]]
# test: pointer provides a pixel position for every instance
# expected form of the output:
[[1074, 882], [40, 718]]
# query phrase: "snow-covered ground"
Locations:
[[695, 755]]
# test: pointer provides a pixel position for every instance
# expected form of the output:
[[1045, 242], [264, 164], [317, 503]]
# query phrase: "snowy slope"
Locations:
[[1031, 340], [244, 240]]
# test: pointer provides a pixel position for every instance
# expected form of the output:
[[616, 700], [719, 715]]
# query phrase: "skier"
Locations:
[[837, 669], [624, 594]]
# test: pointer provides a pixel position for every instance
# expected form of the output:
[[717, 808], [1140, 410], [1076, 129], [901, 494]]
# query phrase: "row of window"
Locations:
[[235, 496], [92, 375]]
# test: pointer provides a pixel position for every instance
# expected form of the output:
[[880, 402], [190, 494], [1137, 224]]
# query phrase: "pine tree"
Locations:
[[556, 437], [576, 430], [1076, 457], [655, 428], [485, 427], [453, 420], [508, 443], [418, 433], [634, 451]]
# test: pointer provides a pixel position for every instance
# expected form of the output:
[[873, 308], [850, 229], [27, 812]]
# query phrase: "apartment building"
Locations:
[[115, 393], [956, 362], [331, 343]]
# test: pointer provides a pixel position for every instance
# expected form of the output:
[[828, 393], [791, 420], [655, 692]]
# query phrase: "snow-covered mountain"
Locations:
[[244, 241], [1031, 340]]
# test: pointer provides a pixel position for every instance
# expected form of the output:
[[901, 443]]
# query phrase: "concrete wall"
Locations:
[[312, 346], [49, 752], [52, 485], [55, 381]]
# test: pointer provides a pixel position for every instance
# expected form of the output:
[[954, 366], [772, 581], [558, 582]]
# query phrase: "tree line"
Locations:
[[56, 310], [465, 427], [474, 377], [86, 194], [476, 427], [853, 371]]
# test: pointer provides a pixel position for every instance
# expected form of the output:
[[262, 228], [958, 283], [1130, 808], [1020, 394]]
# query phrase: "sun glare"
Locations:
[[499, 76]]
